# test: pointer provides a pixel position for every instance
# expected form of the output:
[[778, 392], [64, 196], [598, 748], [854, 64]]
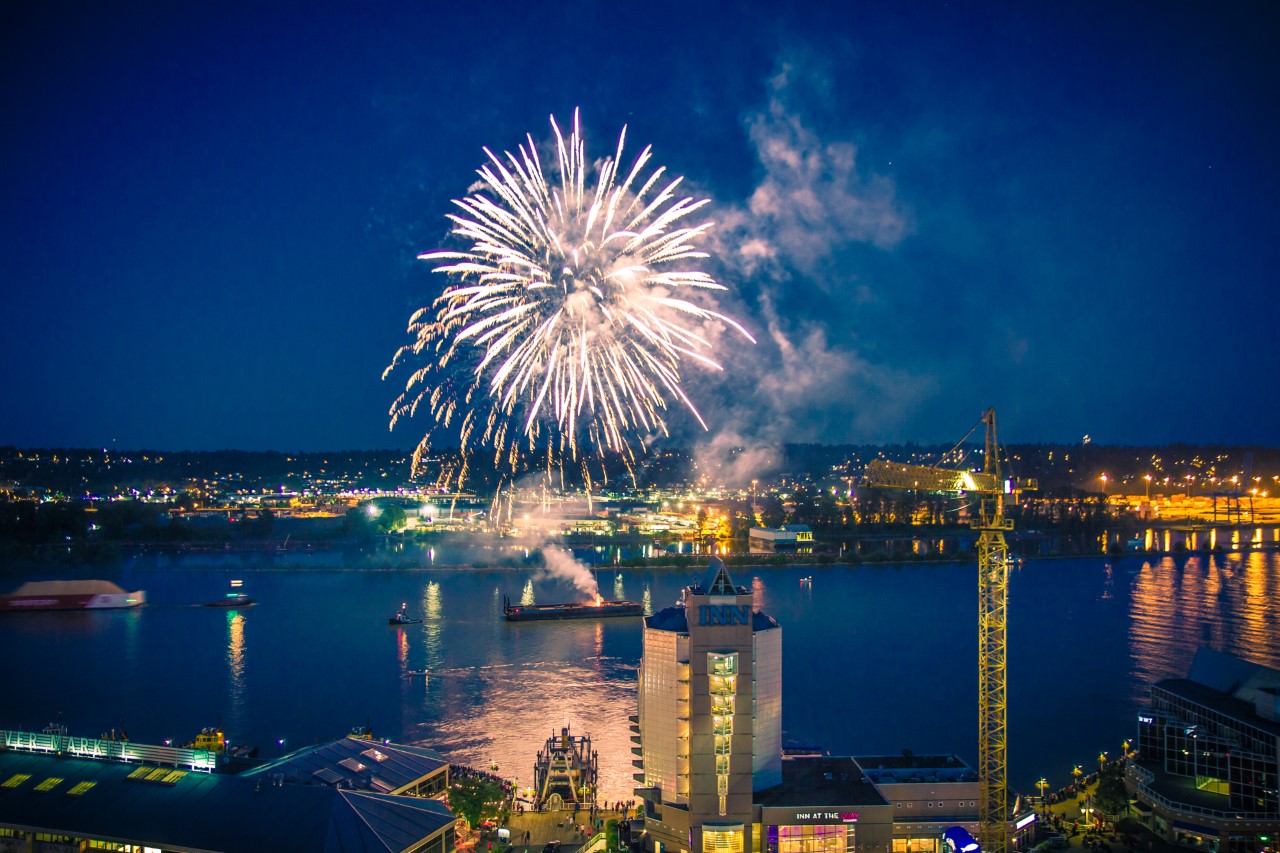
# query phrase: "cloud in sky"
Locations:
[[786, 245], [812, 198]]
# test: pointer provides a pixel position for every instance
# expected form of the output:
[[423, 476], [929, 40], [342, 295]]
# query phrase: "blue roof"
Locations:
[[669, 619], [675, 619], [1223, 672], [356, 763], [717, 581]]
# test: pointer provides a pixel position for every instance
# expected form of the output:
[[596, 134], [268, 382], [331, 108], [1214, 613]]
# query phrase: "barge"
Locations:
[[70, 595], [575, 610]]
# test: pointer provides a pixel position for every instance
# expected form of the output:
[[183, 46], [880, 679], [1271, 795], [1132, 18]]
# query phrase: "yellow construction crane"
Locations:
[[993, 601]]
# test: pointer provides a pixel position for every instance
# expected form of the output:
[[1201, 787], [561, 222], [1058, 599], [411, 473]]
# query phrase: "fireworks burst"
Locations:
[[564, 327]]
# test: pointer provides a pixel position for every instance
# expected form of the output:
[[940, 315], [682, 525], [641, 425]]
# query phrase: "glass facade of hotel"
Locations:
[[1222, 753]]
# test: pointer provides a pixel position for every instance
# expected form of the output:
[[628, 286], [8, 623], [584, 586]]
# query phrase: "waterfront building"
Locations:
[[711, 769], [709, 728], [929, 794], [1205, 774], [359, 764], [68, 793], [788, 537]]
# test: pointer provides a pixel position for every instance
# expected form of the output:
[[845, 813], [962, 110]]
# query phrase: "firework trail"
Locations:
[[564, 327]]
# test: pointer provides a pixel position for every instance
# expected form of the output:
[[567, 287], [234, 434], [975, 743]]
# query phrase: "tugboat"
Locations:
[[580, 610], [211, 739], [232, 599], [402, 618]]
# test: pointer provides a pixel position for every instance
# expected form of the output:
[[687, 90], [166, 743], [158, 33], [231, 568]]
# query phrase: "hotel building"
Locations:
[[708, 741], [709, 729]]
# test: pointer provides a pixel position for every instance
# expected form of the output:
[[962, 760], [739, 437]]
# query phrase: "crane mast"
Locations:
[[993, 602]]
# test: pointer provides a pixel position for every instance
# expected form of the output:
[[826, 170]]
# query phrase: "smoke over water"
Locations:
[[561, 565]]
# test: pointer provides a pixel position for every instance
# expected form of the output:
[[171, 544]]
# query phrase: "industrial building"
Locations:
[[1205, 774]]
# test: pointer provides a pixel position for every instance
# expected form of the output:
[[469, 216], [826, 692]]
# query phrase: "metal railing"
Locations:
[[1145, 779], [109, 750]]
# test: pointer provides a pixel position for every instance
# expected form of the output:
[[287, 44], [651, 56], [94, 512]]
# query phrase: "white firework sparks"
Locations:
[[564, 327]]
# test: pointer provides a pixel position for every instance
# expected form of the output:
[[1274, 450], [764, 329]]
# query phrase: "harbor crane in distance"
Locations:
[[991, 490]]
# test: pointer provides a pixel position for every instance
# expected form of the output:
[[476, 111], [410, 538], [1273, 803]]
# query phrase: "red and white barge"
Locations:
[[70, 595]]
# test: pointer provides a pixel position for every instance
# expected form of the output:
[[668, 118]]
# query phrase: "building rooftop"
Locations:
[[717, 581], [1230, 674], [891, 769], [821, 781], [1222, 703], [355, 763], [203, 811], [675, 619]]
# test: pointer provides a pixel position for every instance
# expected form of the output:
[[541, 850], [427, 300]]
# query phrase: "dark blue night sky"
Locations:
[[1067, 211]]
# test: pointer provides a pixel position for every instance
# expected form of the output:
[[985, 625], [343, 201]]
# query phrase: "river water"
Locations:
[[875, 659]]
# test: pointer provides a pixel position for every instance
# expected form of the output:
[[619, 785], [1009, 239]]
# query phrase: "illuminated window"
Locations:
[[815, 839], [728, 840]]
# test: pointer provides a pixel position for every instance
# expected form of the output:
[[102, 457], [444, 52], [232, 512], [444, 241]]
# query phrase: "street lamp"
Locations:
[[1102, 761], [281, 743], [1076, 773], [1147, 477], [1126, 746], [1043, 785], [1103, 478]]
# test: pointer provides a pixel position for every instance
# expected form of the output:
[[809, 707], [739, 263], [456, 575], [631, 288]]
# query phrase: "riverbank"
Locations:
[[495, 553]]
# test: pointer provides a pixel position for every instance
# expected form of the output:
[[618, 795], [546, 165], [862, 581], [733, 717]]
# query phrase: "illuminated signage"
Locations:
[[1026, 820], [724, 614], [826, 817], [1143, 718]]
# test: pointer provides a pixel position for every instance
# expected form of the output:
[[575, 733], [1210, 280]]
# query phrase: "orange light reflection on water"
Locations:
[[1180, 604], [235, 666], [527, 702]]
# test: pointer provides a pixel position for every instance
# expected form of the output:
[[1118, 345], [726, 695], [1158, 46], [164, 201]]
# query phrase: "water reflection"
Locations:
[[1223, 602], [402, 647], [512, 708], [619, 592], [235, 669], [433, 625], [757, 594]]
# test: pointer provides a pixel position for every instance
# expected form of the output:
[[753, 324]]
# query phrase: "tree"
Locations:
[[392, 518], [358, 525], [771, 512], [1112, 797], [475, 798]]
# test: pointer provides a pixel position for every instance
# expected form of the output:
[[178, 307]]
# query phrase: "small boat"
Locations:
[[580, 610], [213, 740], [402, 618], [412, 672], [232, 599]]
